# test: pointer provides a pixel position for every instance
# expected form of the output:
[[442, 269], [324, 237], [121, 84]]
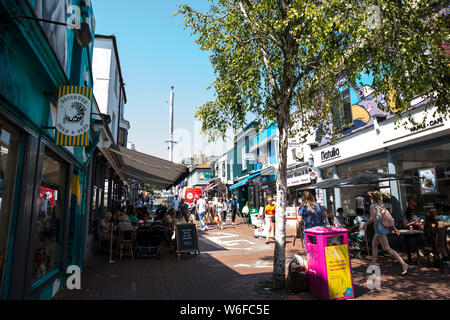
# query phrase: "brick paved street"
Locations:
[[233, 265]]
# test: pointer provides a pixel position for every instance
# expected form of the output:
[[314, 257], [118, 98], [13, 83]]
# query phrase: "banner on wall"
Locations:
[[428, 182], [73, 117]]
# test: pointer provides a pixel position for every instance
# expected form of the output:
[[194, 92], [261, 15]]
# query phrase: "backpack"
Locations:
[[386, 219]]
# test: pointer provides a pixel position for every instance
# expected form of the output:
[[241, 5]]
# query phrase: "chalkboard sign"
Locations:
[[186, 238]]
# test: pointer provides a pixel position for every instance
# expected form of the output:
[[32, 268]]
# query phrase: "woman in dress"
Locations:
[[381, 232]]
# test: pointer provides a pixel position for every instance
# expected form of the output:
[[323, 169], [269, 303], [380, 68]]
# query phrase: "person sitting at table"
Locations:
[[410, 215], [178, 218], [359, 223], [104, 230], [339, 220], [131, 212], [125, 224], [117, 217], [431, 227], [168, 220]]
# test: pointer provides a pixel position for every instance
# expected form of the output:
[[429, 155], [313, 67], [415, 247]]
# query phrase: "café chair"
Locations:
[[126, 243]]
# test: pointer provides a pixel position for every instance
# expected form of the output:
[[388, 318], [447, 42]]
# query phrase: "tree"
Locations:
[[257, 61], [274, 55], [404, 44]]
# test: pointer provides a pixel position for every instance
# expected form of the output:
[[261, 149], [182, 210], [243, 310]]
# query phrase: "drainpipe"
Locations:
[[119, 116]]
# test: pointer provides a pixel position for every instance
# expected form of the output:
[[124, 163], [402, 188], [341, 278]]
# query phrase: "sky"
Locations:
[[155, 53]]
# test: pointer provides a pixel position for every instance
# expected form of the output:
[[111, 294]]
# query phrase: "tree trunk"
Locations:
[[279, 268]]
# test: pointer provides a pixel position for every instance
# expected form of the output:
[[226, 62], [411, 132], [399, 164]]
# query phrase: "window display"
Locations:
[[49, 218], [9, 150]]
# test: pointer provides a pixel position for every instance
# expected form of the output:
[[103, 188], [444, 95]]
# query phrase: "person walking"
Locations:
[[270, 218], [234, 206], [221, 212], [377, 210], [151, 202], [176, 204], [226, 207], [192, 210], [202, 208], [184, 210]]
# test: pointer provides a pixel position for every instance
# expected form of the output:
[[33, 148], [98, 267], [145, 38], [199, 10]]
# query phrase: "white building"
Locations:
[[109, 88], [420, 150]]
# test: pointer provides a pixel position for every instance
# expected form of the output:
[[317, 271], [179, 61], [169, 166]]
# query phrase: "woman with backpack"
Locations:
[[382, 223], [311, 213]]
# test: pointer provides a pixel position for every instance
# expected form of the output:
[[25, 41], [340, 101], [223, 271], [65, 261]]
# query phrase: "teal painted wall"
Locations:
[[29, 70]]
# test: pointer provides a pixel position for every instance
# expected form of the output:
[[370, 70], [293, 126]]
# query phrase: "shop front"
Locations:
[[421, 151], [43, 171], [431, 163], [297, 177], [260, 188]]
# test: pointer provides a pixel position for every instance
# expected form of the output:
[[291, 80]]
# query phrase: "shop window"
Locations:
[[432, 166], [290, 197], [342, 111], [9, 150], [47, 236]]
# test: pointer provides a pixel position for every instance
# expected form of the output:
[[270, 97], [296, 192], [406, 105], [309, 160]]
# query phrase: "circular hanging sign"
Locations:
[[74, 113]]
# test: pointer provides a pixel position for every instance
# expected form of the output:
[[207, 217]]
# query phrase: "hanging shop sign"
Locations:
[[73, 117], [428, 183], [301, 176]]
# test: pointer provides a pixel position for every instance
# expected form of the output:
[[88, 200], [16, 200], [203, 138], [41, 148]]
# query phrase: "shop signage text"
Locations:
[[330, 154], [423, 126]]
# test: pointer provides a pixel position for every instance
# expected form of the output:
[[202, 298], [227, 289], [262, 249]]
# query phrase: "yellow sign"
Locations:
[[338, 272], [73, 116]]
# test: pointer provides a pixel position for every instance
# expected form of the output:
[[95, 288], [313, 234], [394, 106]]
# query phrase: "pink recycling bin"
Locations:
[[329, 267]]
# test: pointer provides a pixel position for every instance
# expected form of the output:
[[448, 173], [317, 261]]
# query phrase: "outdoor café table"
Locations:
[[408, 234]]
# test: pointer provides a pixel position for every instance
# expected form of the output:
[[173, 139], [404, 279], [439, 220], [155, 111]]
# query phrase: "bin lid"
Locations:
[[325, 230]]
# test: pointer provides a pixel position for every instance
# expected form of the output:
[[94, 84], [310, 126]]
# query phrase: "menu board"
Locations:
[[186, 238]]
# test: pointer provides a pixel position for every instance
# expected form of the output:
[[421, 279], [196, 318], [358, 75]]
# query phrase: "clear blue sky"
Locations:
[[155, 53]]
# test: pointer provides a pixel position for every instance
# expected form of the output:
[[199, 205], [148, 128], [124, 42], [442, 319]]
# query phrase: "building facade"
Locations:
[[420, 150], [43, 186]]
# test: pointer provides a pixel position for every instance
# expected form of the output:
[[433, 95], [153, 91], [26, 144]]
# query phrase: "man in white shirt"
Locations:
[[359, 202], [202, 207]]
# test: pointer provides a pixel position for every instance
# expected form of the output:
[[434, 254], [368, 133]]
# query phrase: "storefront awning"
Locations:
[[145, 168], [324, 184], [209, 186], [244, 181]]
